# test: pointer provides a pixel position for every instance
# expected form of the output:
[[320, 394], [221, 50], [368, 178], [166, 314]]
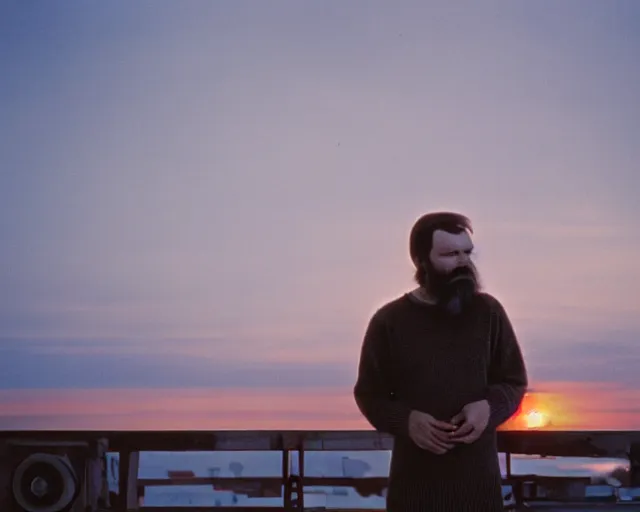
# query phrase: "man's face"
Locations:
[[450, 251], [451, 275]]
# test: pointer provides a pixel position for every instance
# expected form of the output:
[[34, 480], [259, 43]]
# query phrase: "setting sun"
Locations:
[[542, 410], [536, 419]]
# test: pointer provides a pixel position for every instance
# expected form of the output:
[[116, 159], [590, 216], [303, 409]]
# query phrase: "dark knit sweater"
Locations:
[[414, 358]]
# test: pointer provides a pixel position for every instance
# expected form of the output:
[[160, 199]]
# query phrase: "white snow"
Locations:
[[350, 464]]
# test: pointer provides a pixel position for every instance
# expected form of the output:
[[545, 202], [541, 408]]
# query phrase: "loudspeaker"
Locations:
[[51, 476], [634, 465]]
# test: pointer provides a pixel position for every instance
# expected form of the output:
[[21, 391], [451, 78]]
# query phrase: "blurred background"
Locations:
[[202, 203]]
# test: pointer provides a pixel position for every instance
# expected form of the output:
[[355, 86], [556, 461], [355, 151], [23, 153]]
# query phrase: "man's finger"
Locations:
[[443, 425], [445, 444], [427, 444], [422, 444], [464, 430], [428, 440], [458, 419], [422, 439], [469, 438], [442, 435], [437, 448]]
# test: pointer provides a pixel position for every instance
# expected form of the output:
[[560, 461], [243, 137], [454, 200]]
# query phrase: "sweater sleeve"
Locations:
[[507, 372], [373, 390]]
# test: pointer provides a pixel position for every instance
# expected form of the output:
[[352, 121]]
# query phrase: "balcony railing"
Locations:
[[91, 447]]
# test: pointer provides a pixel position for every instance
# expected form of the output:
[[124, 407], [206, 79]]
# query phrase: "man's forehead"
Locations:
[[445, 241]]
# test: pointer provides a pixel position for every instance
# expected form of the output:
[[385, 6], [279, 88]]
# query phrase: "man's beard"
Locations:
[[454, 291]]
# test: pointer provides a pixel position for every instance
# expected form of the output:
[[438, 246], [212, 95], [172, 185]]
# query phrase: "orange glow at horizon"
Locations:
[[571, 406], [577, 406], [540, 410]]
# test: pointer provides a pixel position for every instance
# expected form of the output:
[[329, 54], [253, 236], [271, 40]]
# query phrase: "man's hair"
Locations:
[[421, 237]]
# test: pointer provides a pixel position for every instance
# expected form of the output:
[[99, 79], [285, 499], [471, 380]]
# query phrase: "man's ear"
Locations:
[[421, 264]]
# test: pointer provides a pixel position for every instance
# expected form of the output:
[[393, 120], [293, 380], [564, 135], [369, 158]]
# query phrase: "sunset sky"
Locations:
[[219, 194]]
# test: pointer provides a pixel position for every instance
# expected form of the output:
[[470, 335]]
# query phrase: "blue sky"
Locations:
[[225, 189]]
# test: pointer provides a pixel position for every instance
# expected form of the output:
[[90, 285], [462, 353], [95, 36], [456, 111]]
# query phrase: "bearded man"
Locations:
[[440, 369]]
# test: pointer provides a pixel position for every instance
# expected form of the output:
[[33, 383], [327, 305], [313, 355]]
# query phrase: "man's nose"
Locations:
[[463, 259]]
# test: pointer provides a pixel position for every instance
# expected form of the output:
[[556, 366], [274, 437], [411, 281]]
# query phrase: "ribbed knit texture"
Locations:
[[414, 358]]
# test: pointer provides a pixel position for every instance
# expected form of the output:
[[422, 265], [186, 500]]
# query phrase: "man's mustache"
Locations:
[[461, 273]]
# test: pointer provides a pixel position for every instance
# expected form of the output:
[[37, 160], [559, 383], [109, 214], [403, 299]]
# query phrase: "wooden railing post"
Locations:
[[294, 484], [128, 480], [301, 476], [286, 473]]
